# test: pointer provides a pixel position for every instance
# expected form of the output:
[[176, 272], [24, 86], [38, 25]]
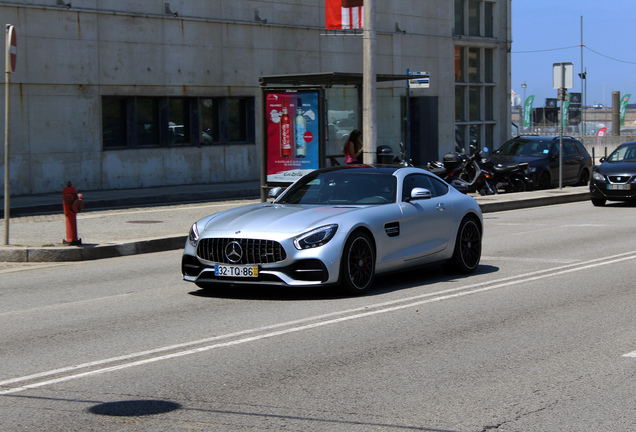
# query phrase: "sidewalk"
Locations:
[[126, 222]]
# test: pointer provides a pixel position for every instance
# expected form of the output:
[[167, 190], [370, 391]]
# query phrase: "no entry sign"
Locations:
[[12, 49]]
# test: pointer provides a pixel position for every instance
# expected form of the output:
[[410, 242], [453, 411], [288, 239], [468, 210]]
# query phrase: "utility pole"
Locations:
[[369, 110]]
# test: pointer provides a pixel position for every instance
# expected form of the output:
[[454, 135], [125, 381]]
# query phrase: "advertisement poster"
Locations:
[[292, 135]]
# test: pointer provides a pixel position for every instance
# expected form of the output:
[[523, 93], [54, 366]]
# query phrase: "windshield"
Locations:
[[623, 154], [341, 187], [522, 147]]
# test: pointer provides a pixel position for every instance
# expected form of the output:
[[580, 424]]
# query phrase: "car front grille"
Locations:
[[240, 251], [621, 179]]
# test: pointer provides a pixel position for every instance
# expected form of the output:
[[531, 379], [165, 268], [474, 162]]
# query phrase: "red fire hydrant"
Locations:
[[73, 204]]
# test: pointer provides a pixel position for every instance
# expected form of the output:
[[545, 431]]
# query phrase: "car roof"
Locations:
[[376, 169], [541, 137]]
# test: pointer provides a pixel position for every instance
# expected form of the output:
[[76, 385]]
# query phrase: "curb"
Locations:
[[90, 252], [489, 207]]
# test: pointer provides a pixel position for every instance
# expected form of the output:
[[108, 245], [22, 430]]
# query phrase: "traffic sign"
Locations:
[[12, 49], [562, 75]]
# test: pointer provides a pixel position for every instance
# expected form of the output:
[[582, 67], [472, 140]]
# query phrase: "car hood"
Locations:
[[499, 159], [274, 218], [610, 168]]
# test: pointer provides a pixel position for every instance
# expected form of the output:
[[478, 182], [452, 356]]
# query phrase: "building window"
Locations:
[[459, 17], [459, 103], [474, 103], [474, 18], [489, 19], [147, 121], [133, 122], [237, 120], [489, 103], [473, 65], [459, 64], [209, 113], [179, 121], [488, 66], [114, 122]]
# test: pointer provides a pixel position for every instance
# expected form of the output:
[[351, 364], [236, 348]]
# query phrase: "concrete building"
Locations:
[[115, 94]]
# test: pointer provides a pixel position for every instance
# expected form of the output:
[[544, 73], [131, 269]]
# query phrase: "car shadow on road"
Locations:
[[383, 284]]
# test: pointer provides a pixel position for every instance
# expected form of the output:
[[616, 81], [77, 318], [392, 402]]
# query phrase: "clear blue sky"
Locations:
[[545, 32]]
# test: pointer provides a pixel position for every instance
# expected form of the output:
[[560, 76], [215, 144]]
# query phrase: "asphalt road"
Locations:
[[542, 338]]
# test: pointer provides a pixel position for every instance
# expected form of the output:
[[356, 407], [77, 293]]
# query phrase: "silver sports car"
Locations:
[[340, 225]]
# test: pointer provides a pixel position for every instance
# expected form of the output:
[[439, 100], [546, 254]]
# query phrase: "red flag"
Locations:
[[343, 14], [600, 134]]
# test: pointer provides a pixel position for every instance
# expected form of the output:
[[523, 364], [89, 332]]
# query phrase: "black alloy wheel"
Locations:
[[357, 268], [467, 252]]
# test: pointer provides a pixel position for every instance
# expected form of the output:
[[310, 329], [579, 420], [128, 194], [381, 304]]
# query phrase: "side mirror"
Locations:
[[603, 159], [274, 192], [419, 194]]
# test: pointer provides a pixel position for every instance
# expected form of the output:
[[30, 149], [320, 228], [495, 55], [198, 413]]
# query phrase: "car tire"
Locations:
[[357, 266], [518, 184], [467, 253], [544, 181], [584, 178], [598, 202]]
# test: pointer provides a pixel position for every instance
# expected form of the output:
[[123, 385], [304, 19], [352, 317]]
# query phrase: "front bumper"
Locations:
[[305, 272], [601, 190], [309, 267]]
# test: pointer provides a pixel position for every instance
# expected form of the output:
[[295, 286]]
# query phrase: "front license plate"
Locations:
[[619, 187], [236, 271]]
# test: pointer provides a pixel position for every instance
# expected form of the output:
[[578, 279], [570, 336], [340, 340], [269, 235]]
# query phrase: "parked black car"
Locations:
[[615, 178], [542, 155]]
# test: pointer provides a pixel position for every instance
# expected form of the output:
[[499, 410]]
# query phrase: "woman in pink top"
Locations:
[[352, 148]]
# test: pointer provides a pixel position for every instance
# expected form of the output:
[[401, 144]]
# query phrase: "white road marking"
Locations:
[[299, 325], [631, 354]]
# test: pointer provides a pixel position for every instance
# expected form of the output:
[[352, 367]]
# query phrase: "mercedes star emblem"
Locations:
[[233, 252]]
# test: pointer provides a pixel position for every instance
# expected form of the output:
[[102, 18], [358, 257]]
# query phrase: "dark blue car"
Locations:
[[542, 155], [615, 178]]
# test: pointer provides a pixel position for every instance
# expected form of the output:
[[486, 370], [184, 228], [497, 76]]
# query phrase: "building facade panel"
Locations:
[[125, 94]]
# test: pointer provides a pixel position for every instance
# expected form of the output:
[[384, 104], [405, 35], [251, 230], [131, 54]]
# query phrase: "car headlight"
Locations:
[[315, 238], [531, 170], [193, 236], [598, 176]]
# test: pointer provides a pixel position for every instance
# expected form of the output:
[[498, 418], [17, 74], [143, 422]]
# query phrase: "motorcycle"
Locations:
[[466, 173], [510, 177]]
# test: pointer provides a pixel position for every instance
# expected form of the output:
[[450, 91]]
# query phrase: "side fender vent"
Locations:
[[392, 229]]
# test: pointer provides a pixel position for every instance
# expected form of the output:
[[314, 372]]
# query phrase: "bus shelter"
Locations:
[[307, 118]]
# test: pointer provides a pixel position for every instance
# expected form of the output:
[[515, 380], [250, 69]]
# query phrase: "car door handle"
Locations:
[[441, 206]]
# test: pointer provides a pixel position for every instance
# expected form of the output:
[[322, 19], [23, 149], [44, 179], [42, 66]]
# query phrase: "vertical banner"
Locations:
[[566, 110], [292, 134], [624, 103], [343, 14], [527, 111]]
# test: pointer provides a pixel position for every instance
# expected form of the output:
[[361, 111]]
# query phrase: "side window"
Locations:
[[436, 187], [441, 188], [569, 148], [580, 148]]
